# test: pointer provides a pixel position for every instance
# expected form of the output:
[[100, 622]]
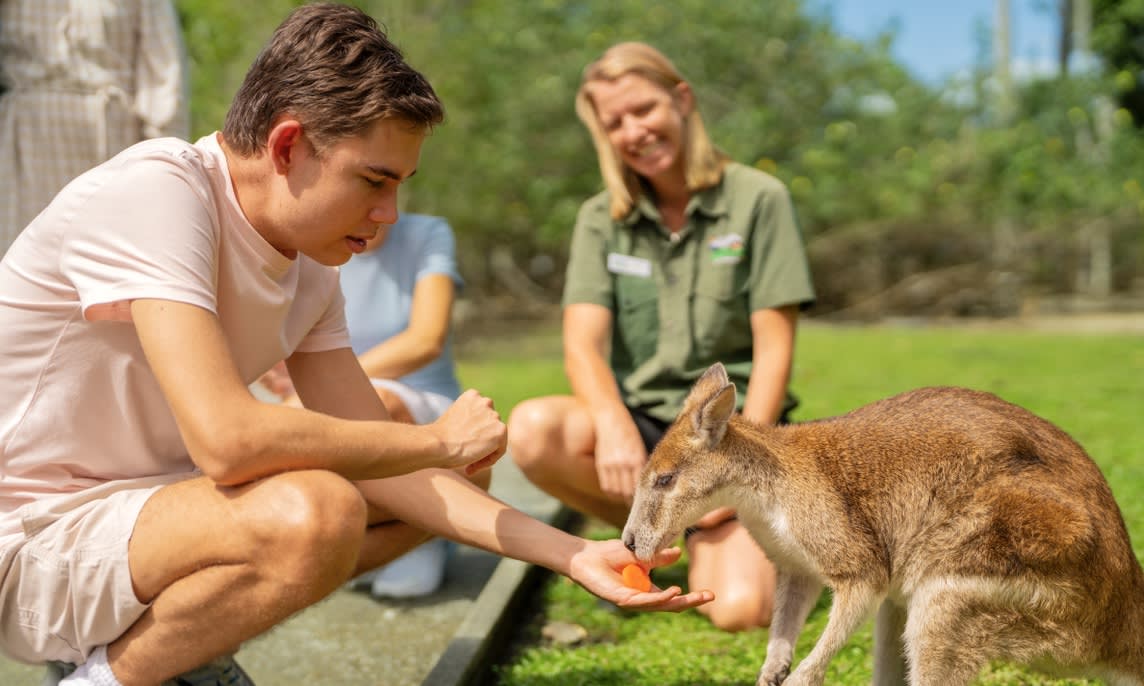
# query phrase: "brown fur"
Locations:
[[981, 530]]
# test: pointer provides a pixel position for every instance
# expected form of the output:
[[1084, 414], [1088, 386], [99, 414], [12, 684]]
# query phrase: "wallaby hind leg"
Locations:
[[853, 603], [889, 649], [946, 639], [795, 597]]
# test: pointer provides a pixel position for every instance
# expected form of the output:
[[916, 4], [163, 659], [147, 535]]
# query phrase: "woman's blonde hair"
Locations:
[[703, 162]]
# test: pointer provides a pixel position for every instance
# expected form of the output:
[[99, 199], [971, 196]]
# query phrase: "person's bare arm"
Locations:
[[587, 339], [772, 332], [234, 438], [332, 382], [620, 452], [424, 339], [445, 504]]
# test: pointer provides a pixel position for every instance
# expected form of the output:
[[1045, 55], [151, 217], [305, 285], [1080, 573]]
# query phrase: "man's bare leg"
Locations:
[[222, 565]]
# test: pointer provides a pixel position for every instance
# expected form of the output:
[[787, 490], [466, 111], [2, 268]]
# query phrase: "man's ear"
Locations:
[[284, 143]]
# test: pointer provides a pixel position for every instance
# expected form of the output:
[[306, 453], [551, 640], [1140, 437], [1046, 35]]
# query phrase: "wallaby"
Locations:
[[978, 530]]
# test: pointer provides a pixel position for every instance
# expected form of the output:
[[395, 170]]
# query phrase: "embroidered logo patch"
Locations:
[[726, 249]]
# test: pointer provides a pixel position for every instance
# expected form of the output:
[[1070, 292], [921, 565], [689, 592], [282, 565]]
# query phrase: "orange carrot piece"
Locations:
[[635, 577]]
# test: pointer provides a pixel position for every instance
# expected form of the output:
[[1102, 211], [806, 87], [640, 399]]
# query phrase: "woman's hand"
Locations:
[[620, 456]]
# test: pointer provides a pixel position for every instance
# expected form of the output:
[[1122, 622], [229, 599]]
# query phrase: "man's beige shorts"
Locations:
[[65, 588]]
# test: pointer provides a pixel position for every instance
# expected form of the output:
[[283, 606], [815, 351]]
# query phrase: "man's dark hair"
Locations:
[[333, 68]]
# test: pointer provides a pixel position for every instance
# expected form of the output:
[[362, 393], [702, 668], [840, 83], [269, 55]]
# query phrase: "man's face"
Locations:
[[337, 201]]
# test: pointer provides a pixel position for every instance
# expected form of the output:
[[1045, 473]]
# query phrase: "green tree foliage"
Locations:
[[1118, 36], [222, 39], [770, 79], [861, 143]]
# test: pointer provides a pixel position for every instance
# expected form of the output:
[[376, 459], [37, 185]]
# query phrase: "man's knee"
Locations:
[[311, 519]]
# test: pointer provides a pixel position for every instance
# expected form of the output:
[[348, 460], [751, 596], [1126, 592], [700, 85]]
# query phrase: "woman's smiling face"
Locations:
[[644, 123]]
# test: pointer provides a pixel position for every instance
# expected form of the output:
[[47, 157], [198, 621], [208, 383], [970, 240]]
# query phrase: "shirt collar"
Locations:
[[710, 201]]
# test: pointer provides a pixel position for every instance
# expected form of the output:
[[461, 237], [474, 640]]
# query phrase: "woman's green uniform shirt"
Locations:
[[683, 303]]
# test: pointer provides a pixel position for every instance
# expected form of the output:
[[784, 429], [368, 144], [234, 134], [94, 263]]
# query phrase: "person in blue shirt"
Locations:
[[399, 302]]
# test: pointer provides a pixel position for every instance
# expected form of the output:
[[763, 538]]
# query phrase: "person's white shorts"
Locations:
[[424, 406], [65, 585]]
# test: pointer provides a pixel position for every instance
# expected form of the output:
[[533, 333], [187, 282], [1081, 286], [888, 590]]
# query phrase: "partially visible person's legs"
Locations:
[[552, 440], [410, 405], [726, 560], [394, 404]]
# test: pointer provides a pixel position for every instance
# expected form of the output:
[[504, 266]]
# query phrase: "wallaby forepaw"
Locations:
[[771, 676]]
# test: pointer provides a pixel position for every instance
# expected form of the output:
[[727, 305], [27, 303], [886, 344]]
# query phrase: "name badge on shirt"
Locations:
[[628, 265]]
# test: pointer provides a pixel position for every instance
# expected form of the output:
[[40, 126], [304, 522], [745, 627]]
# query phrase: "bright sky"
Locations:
[[937, 38]]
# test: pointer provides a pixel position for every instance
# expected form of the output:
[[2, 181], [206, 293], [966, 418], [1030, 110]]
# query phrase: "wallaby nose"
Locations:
[[630, 542]]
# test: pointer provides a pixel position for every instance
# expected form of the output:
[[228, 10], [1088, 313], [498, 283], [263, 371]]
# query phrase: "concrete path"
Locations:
[[350, 639]]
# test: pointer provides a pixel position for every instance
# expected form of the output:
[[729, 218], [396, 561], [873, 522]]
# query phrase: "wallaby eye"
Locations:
[[664, 480]]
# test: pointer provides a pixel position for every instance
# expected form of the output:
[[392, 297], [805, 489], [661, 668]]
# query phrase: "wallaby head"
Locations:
[[683, 476]]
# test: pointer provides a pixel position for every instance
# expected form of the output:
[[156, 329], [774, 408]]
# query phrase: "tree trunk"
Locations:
[[1065, 39]]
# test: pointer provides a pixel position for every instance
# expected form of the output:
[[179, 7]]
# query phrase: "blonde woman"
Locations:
[[686, 258]]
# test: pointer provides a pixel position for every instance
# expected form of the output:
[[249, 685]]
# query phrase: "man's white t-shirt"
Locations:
[[80, 405]]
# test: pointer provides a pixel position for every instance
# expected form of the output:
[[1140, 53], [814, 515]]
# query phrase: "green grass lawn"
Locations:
[[1090, 385]]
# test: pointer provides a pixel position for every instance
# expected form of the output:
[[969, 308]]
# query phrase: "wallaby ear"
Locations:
[[712, 381], [709, 418], [715, 376]]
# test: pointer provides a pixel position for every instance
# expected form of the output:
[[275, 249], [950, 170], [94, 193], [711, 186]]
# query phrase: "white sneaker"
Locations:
[[362, 582], [416, 573]]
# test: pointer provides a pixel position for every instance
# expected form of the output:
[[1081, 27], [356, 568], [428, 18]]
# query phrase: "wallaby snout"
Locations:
[[958, 513], [641, 536]]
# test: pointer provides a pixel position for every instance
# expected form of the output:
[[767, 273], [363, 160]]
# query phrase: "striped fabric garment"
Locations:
[[81, 80]]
